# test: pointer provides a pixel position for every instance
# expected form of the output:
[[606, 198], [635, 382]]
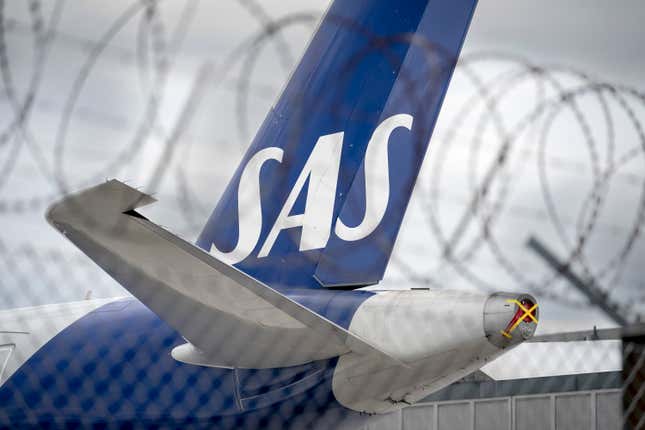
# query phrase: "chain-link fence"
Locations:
[[534, 183]]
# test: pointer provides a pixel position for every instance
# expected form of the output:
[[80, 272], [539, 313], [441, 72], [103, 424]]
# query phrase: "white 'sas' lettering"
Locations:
[[321, 169]]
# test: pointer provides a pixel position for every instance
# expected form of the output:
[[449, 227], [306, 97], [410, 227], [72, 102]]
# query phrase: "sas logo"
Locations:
[[321, 169]]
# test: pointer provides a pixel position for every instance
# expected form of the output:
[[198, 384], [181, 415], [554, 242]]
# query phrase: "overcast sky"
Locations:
[[93, 84]]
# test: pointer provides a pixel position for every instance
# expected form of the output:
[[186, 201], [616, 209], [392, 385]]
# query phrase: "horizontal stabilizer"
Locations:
[[594, 334], [229, 318]]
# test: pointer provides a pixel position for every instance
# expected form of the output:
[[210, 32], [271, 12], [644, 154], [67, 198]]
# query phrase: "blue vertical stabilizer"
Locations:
[[319, 197]]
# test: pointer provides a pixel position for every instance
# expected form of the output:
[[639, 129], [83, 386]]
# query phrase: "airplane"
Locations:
[[264, 322]]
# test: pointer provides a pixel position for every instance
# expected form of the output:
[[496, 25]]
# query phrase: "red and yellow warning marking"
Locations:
[[526, 312]]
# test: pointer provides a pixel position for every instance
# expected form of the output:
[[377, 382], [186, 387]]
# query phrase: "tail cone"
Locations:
[[510, 319]]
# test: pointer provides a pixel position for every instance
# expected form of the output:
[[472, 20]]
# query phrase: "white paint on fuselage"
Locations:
[[439, 335], [412, 325]]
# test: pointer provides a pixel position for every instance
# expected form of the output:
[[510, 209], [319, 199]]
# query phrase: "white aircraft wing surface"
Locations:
[[229, 318]]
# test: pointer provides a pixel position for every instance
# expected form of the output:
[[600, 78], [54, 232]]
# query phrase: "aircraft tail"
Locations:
[[319, 197]]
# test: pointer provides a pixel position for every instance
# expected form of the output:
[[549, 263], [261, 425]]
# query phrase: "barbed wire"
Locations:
[[477, 124], [493, 177]]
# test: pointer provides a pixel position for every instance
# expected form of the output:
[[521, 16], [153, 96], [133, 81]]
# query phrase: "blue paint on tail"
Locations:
[[375, 71]]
